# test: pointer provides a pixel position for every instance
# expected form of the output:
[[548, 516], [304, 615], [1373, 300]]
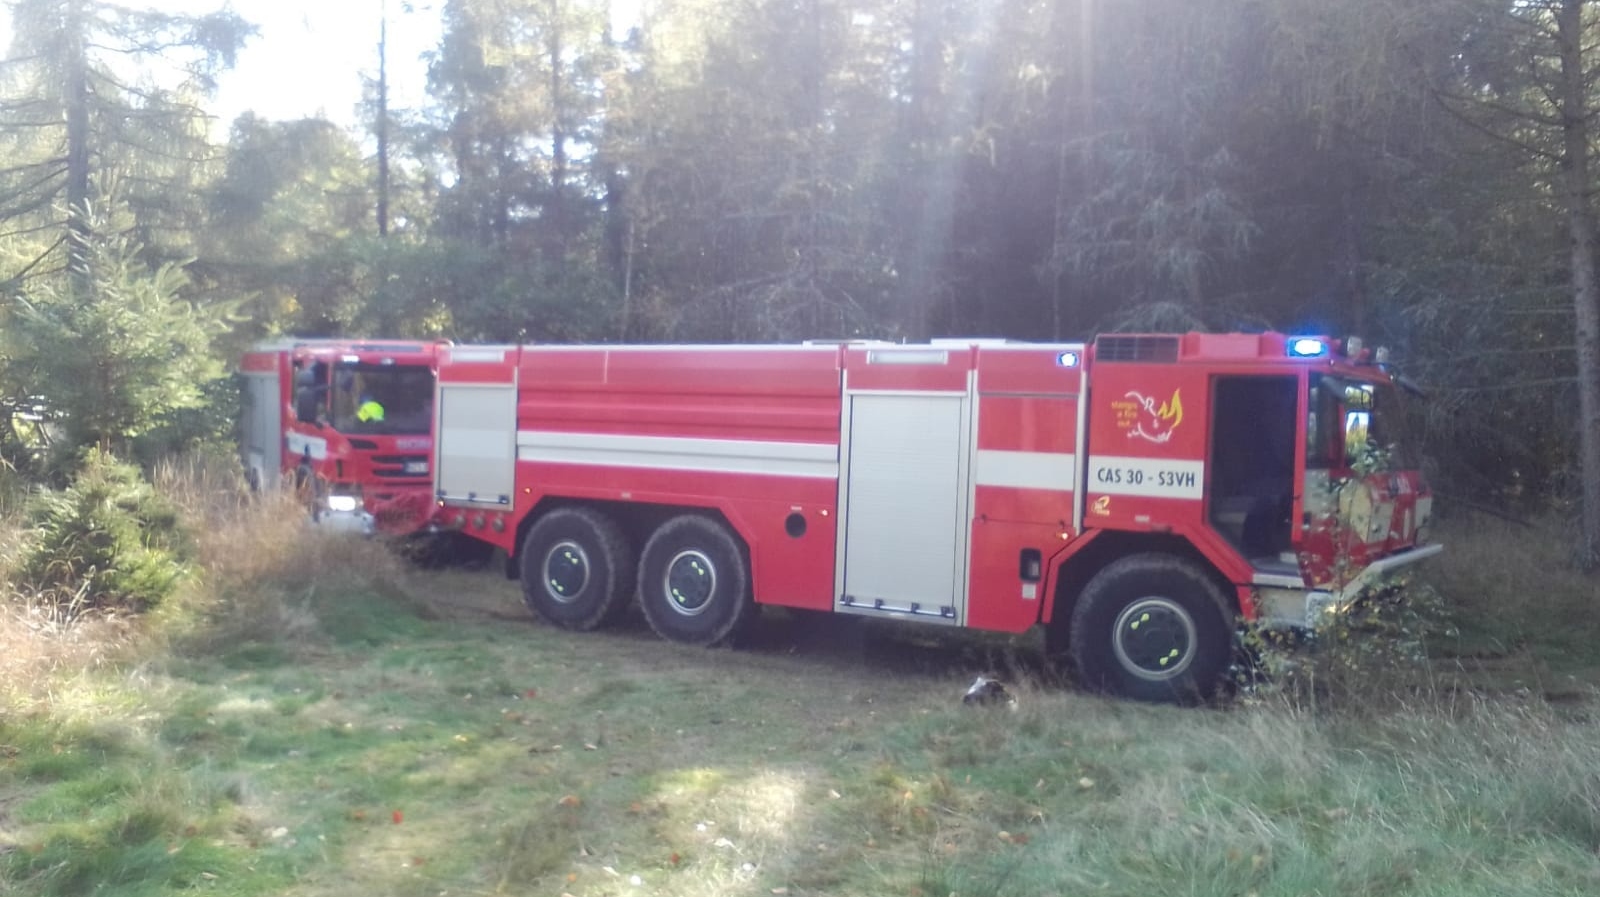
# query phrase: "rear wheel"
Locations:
[[1152, 627], [577, 568], [694, 582]]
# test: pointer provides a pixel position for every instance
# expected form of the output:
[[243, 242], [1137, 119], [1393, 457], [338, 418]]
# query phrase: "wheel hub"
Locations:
[[566, 571], [1154, 638], [690, 582]]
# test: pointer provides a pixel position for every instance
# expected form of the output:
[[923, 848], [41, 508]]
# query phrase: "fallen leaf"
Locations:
[[397, 816], [570, 800], [417, 861], [1086, 782], [674, 859], [590, 747]]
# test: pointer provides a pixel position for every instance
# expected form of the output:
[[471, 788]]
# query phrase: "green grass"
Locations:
[[364, 740]]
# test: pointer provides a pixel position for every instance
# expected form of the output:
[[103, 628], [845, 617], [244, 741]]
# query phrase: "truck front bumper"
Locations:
[[1284, 602], [357, 522]]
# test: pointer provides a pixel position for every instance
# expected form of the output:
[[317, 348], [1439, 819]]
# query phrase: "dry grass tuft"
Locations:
[[38, 648], [263, 570], [39, 644], [264, 566]]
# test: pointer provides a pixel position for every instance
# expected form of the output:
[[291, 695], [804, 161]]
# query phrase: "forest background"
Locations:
[[1412, 171]]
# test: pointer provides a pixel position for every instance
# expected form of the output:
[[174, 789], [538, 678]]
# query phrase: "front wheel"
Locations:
[[1152, 627], [577, 568], [694, 584]]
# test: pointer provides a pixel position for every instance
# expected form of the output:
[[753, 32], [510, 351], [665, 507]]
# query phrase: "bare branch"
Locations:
[[16, 279]]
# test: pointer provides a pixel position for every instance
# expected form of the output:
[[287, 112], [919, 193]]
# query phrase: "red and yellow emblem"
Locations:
[[1142, 418]]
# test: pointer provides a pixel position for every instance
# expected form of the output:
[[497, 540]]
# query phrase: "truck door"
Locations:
[[904, 486], [475, 452], [1252, 464]]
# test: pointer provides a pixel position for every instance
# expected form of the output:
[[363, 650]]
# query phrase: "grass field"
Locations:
[[322, 721]]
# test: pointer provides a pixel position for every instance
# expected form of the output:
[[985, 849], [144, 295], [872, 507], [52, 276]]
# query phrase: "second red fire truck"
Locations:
[[1136, 497], [303, 423]]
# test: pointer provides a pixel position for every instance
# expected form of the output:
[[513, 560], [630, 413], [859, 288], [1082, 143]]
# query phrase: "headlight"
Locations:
[[343, 503]]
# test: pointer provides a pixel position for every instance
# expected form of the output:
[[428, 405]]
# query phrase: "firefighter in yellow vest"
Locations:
[[369, 411]]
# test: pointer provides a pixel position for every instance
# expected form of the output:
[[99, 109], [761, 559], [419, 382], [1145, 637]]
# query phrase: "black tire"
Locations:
[[1186, 642], [694, 582], [577, 568]]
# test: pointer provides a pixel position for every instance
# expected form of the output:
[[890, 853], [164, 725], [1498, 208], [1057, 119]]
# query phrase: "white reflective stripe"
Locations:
[[1025, 470], [1278, 581], [1147, 477], [466, 442], [477, 354], [299, 444], [794, 459]]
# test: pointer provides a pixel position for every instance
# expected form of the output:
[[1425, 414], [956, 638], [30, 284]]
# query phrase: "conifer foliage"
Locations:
[[107, 542]]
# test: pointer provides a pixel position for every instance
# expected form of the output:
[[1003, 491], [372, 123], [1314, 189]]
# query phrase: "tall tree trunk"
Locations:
[[1581, 226], [383, 120], [77, 102], [558, 135], [926, 184]]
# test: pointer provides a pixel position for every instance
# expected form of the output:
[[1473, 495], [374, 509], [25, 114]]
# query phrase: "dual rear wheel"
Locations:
[[691, 579]]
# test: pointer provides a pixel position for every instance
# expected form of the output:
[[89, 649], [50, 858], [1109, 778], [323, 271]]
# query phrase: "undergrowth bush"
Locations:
[[108, 541], [1383, 649], [264, 572]]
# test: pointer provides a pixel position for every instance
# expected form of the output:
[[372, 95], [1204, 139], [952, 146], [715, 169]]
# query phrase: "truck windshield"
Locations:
[[1349, 418], [383, 399]]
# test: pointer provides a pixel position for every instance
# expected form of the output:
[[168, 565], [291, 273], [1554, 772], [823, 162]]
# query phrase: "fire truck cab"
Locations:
[[1138, 497], [349, 423]]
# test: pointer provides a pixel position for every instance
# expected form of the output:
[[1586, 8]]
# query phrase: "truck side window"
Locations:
[[311, 393]]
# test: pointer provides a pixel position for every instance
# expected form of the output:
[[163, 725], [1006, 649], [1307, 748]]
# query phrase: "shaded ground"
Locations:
[[872, 647]]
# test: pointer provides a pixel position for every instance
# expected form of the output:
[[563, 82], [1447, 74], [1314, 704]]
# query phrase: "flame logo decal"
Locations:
[[1152, 423]]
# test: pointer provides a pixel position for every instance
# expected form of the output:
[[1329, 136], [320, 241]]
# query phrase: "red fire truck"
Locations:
[[1137, 497], [302, 423]]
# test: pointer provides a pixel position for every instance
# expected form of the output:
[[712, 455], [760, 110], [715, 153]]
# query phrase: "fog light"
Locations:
[[342, 504]]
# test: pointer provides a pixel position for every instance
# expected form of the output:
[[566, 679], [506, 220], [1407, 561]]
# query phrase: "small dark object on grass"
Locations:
[[986, 690]]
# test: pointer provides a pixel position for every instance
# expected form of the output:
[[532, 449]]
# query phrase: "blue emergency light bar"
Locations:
[[1307, 347]]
